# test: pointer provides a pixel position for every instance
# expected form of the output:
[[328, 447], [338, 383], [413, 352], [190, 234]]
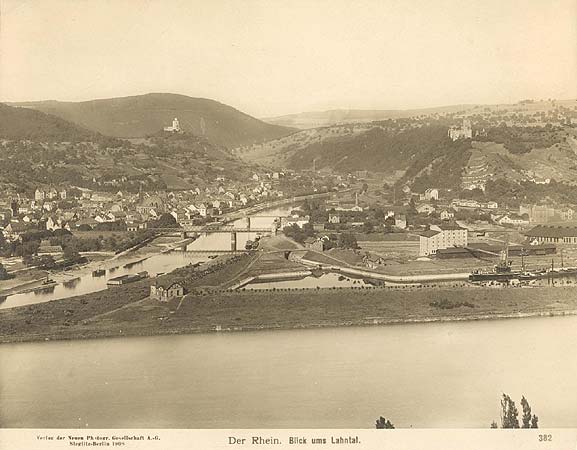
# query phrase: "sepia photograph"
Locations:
[[287, 214]]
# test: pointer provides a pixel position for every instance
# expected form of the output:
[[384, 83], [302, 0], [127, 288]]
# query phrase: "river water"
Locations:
[[420, 375], [160, 263]]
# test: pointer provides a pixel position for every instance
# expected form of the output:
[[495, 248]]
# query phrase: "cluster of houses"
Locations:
[[54, 208]]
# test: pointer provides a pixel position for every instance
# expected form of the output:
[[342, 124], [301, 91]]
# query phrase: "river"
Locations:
[[160, 263], [421, 375]]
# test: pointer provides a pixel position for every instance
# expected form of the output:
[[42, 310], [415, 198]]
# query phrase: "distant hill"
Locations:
[[144, 115], [315, 119], [27, 124]]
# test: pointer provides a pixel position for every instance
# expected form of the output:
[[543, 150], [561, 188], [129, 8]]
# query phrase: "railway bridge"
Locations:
[[188, 230]]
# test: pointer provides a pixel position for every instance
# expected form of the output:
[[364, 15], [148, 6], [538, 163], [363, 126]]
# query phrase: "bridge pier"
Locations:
[[233, 241], [248, 223], [183, 234]]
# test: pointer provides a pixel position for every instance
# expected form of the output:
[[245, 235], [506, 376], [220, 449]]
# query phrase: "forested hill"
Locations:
[[423, 152], [144, 115], [376, 149], [27, 124]]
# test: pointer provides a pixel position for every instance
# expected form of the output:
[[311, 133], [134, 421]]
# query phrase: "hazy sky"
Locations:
[[272, 57]]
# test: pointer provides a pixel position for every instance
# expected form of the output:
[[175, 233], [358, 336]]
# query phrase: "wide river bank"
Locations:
[[434, 375]]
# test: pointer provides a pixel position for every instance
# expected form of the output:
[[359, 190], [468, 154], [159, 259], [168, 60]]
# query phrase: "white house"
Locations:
[[430, 194], [513, 219], [447, 215], [441, 237], [425, 208]]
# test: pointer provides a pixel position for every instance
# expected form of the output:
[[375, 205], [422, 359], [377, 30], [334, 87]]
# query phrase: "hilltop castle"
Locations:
[[175, 126], [464, 132]]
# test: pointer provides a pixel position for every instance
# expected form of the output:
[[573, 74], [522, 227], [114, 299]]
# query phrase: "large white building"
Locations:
[[441, 237], [430, 194]]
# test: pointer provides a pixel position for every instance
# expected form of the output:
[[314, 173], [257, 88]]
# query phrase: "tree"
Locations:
[[509, 413], [368, 227], [27, 260], [529, 421], [166, 220], [384, 424], [71, 252], [3, 273], [46, 262], [347, 240]]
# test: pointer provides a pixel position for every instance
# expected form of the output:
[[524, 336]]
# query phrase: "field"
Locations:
[[273, 262], [391, 249], [276, 309]]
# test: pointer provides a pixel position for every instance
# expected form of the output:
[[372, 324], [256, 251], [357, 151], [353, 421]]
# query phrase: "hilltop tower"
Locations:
[[175, 128], [467, 129]]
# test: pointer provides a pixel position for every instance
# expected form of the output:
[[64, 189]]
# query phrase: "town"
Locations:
[[371, 220]]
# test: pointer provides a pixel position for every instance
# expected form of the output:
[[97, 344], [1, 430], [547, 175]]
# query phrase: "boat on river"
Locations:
[[502, 271], [45, 288], [128, 278]]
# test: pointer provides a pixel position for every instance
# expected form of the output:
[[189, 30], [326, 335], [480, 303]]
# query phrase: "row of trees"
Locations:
[[509, 416], [340, 240], [71, 245]]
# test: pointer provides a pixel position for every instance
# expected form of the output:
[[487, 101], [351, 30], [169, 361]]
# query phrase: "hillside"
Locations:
[[26, 124], [425, 154], [143, 115], [165, 161], [420, 150], [537, 148]]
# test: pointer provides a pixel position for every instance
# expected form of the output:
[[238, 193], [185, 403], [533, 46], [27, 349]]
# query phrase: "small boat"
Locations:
[[48, 281], [99, 272], [44, 289], [71, 283], [128, 278], [524, 276]]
